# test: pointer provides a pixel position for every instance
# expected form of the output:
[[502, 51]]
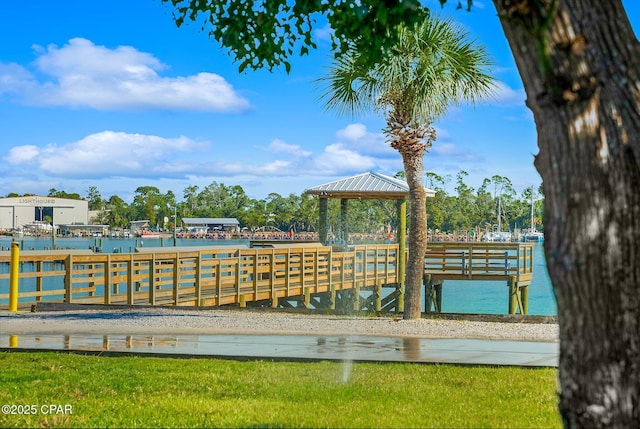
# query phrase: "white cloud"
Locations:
[[112, 156], [357, 137], [108, 154], [14, 76], [86, 75], [453, 152], [279, 146], [26, 154], [506, 95], [337, 159], [353, 132]]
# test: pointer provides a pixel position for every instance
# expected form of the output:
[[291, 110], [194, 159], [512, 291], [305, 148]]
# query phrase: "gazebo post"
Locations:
[[402, 252], [344, 208], [323, 228]]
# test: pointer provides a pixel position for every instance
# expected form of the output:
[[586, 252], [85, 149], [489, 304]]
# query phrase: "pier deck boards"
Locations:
[[278, 276]]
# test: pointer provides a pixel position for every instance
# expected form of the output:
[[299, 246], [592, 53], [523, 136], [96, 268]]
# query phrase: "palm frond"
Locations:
[[433, 66], [348, 88]]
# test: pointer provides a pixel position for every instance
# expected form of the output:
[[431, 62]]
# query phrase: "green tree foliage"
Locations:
[[150, 204], [266, 33], [448, 212], [117, 213], [95, 199], [53, 192]]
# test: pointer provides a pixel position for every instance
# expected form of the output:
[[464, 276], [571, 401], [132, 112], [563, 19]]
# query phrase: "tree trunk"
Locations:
[[412, 141], [581, 75], [414, 170]]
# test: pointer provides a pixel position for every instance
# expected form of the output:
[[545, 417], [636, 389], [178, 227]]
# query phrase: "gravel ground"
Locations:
[[177, 321]]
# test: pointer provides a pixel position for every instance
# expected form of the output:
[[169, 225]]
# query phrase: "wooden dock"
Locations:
[[311, 276], [509, 262], [277, 276]]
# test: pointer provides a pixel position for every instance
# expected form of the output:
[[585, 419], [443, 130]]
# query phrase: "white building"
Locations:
[[16, 212]]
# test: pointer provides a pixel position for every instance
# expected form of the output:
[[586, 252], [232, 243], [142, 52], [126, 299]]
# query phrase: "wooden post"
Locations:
[[524, 299], [332, 296], [255, 274], [438, 290], [152, 280], [130, 284], [218, 283], [307, 297], [378, 292], [107, 280], [426, 281], [14, 274], [67, 279], [198, 279], [39, 267], [176, 279], [356, 298], [272, 280], [237, 275], [513, 290]]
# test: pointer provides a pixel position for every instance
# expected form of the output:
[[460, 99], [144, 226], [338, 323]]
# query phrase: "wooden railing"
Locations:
[[510, 262], [180, 276], [480, 261]]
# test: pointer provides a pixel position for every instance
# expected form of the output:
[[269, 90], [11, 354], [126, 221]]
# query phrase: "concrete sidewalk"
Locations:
[[362, 348]]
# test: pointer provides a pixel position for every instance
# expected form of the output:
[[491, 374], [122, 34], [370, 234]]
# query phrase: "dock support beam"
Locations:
[[524, 297], [518, 296], [432, 294]]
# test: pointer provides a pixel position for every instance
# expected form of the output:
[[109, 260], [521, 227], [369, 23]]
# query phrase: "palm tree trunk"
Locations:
[[581, 75], [412, 142], [414, 171]]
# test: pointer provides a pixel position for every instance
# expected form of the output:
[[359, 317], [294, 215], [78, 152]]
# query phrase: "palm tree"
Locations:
[[433, 67]]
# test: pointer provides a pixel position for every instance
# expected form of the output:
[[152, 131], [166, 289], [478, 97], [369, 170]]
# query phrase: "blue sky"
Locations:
[[110, 93]]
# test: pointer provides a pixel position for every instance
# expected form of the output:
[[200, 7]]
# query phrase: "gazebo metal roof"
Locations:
[[366, 185]]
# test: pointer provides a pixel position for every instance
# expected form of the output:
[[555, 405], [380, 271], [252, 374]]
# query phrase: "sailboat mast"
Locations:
[[532, 224], [499, 213]]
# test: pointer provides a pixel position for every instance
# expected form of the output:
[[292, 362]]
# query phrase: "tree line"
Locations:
[[463, 208]]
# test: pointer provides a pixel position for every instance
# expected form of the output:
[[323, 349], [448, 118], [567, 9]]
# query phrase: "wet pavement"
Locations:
[[300, 348]]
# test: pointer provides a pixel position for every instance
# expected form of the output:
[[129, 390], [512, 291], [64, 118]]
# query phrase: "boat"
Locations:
[[497, 235], [532, 234], [149, 234]]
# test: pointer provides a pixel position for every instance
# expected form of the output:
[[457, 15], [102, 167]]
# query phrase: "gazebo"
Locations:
[[372, 186]]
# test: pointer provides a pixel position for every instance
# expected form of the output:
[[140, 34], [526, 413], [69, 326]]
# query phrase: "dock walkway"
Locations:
[[312, 276]]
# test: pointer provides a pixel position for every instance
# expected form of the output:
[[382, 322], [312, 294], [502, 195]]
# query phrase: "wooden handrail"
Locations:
[[218, 276], [479, 261]]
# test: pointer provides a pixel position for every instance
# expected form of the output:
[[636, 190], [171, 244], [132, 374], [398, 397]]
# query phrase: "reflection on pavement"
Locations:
[[298, 347]]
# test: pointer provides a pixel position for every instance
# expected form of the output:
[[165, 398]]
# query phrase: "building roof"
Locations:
[[366, 185], [210, 221]]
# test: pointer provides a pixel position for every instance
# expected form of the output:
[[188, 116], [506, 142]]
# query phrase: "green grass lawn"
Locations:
[[169, 392]]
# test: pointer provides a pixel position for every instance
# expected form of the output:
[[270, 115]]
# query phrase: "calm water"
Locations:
[[457, 296], [493, 297]]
